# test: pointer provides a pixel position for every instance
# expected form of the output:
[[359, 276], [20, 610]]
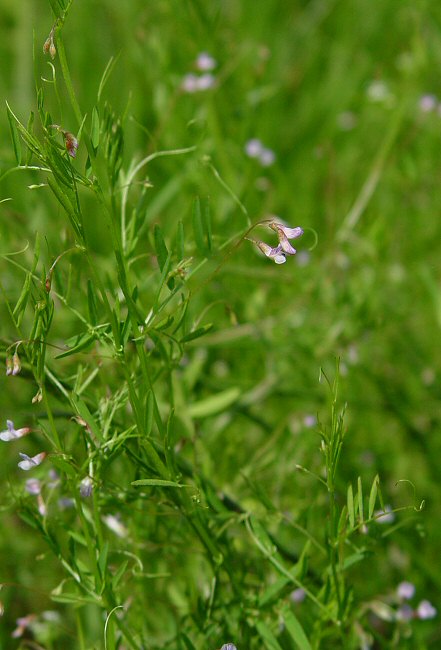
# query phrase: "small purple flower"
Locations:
[[206, 81], [33, 486], [267, 157], [65, 503], [427, 103], [228, 646], [405, 613], [298, 595], [426, 610], [29, 462], [406, 590], [12, 434], [310, 421], [190, 83], [86, 487], [205, 62]]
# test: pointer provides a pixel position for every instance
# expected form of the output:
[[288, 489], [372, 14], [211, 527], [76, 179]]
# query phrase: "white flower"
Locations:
[[267, 157], [406, 590], [12, 434], [253, 148], [29, 462]]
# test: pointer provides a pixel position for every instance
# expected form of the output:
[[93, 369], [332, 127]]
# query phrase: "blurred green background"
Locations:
[[346, 94]]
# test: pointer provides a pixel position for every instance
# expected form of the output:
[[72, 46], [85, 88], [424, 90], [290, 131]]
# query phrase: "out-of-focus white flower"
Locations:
[[267, 158], [253, 148], [115, 525], [205, 62], [378, 91], [346, 120], [29, 462], [385, 516]]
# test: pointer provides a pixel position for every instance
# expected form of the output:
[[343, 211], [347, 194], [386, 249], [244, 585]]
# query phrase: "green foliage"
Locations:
[[212, 474]]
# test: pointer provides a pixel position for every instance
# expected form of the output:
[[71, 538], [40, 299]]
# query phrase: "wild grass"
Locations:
[[225, 450]]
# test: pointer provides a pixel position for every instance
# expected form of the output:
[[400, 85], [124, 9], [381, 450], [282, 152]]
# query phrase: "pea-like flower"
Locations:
[[406, 590], [29, 462], [284, 233], [11, 433], [275, 253], [228, 646]]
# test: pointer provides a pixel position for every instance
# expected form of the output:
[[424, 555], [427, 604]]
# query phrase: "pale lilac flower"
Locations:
[[275, 253], [267, 157], [405, 613], [253, 148], [385, 516], [427, 103], [190, 83], [406, 590], [228, 646], [310, 421], [285, 233], [22, 624], [205, 62], [29, 462], [12, 434], [426, 610], [298, 595], [86, 486], [33, 486], [206, 81]]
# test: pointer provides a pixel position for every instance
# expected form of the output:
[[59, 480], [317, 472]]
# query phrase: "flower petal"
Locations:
[[290, 233], [29, 462]]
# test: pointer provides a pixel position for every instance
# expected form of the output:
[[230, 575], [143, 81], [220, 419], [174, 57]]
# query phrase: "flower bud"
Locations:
[[16, 364], [9, 366]]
